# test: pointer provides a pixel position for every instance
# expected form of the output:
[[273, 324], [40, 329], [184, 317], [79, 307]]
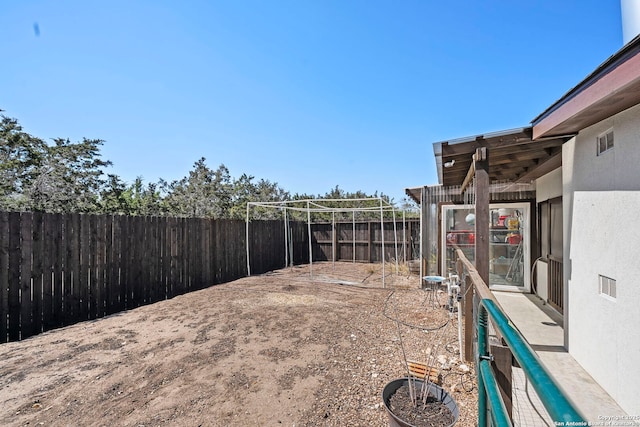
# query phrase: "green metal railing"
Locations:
[[557, 404]]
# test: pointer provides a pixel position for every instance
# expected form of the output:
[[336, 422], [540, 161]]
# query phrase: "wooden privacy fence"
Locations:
[[56, 270], [359, 241], [60, 269]]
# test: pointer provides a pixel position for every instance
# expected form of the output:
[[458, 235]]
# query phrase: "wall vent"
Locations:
[[607, 287]]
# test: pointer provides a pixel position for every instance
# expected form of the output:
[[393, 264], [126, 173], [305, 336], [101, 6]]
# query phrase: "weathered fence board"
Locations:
[[48, 255], [15, 258], [36, 272], [26, 302], [75, 273], [85, 279], [4, 274], [56, 226], [368, 237]]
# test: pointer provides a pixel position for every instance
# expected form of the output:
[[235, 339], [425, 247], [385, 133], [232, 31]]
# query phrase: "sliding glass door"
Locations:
[[509, 242]]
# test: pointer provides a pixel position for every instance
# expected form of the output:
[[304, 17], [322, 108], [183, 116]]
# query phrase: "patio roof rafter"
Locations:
[[514, 156]]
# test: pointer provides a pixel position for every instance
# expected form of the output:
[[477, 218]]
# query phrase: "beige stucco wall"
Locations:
[[601, 202], [549, 186]]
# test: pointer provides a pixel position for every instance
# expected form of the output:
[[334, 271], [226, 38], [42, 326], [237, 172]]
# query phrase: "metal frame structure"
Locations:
[[310, 206]]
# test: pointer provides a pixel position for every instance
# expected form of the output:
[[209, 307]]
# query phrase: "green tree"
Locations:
[[330, 198], [20, 157], [246, 190], [145, 200], [136, 199], [68, 178], [114, 197], [203, 193]]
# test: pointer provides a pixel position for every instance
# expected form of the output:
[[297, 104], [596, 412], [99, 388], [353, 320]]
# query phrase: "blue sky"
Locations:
[[309, 94]]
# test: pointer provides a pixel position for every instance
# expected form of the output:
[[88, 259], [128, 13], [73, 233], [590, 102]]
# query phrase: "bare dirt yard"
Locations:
[[276, 349]]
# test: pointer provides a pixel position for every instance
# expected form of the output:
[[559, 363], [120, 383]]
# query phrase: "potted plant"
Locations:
[[417, 400], [412, 402]]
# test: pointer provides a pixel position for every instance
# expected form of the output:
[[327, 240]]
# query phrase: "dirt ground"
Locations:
[[269, 350]]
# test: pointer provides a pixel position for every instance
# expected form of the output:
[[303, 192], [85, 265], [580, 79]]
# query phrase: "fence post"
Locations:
[[4, 275], [468, 318]]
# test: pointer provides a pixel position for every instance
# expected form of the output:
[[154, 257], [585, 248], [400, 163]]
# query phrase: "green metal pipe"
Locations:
[[499, 416], [482, 352], [559, 406]]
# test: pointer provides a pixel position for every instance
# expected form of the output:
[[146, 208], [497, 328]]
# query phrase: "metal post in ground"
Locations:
[[333, 240], [395, 237], [286, 240]]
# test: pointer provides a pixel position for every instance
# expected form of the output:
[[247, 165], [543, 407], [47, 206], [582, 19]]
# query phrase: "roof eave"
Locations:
[[611, 80]]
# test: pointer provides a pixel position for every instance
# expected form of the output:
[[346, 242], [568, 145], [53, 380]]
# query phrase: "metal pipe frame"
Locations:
[[554, 399]]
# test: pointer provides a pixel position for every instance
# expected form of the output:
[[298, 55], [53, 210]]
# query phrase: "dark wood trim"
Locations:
[[542, 169]]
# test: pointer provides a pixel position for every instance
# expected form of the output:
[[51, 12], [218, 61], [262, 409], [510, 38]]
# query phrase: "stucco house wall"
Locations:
[[601, 203], [549, 186]]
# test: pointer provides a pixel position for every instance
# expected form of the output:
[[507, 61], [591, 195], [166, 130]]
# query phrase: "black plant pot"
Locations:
[[434, 391]]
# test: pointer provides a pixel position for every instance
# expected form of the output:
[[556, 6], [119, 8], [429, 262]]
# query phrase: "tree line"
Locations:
[[64, 177]]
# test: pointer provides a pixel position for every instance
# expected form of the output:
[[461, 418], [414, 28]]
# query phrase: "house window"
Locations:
[[605, 142], [607, 287]]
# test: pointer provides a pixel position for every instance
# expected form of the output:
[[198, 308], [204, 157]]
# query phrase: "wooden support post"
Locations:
[[424, 235], [481, 159], [468, 318], [369, 245], [501, 364], [407, 243], [336, 241]]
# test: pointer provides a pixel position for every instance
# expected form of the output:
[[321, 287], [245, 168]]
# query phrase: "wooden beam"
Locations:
[[369, 248], [469, 178], [478, 155], [482, 189], [542, 169], [480, 141], [466, 148], [468, 319], [516, 157], [500, 150], [481, 288], [424, 237]]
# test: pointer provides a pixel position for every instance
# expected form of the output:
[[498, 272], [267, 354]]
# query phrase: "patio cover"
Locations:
[[513, 156]]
